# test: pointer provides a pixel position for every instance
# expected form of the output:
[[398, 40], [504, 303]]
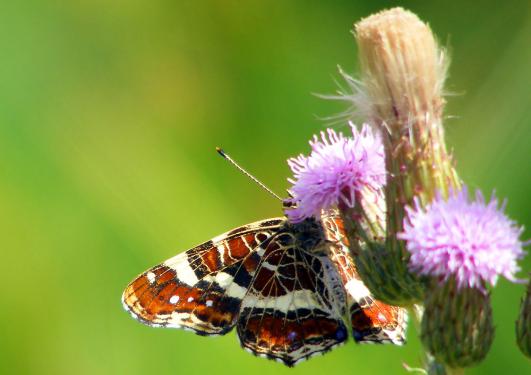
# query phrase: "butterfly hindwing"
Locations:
[[202, 288], [292, 309]]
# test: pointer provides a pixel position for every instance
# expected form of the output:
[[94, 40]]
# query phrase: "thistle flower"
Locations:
[[473, 241], [337, 168]]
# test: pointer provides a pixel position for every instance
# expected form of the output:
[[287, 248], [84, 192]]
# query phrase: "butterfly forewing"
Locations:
[[202, 288]]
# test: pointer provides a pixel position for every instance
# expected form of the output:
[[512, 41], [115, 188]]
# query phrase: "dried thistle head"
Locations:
[[403, 68]]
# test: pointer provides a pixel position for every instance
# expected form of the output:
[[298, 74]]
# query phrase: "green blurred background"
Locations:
[[109, 115]]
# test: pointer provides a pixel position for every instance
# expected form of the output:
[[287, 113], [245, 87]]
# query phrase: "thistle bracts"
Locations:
[[457, 324], [385, 273], [523, 324]]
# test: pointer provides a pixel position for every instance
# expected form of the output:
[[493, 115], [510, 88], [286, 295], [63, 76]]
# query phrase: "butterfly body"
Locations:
[[288, 288]]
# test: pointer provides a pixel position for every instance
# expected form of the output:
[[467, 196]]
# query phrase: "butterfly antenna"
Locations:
[[230, 160]]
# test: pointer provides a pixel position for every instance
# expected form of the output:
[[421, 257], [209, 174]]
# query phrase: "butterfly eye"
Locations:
[[288, 203]]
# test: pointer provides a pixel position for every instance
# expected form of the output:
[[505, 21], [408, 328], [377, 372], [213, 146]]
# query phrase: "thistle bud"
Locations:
[[523, 324], [386, 275], [457, 324]]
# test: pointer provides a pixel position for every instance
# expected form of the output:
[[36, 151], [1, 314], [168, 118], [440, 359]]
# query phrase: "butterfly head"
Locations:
[[309, 234]]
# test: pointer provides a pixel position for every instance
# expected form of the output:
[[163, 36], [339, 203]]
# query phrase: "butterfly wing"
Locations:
[[287, 298], [372, 321], [294, 304], [202, 288]]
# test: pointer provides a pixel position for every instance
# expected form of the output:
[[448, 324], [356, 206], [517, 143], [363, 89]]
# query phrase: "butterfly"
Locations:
[[291, 290]]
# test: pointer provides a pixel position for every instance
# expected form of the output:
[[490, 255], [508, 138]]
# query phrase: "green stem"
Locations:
[[416, 311]]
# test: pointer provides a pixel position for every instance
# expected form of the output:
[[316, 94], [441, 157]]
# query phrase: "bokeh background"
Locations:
[[109, 115]]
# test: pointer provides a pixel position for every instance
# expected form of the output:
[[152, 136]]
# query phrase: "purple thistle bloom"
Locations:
[[474, 241], [336, 169]]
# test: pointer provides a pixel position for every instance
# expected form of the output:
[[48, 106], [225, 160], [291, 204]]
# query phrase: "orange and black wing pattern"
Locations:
[[202, 288], [287, 288]]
